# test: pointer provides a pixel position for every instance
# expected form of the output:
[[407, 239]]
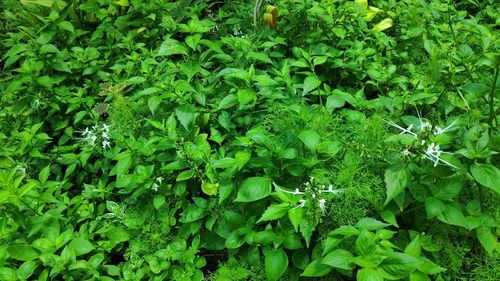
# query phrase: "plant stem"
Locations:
[[492, 99]]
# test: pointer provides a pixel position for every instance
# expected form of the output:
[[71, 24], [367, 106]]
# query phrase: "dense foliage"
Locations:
[[249, 140]]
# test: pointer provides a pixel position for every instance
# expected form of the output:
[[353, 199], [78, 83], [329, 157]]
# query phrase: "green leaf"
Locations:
[[26, 270], [428, 267], [192, 213], [365, 243], [307, 228], [434, 207], [310, 138], [153, 103], [234, 240], [447, 189], [276, 263], [81, 246], [397, 266], [158, 201], [453, 216], [228, 101], [339, 259], [23, 252], [310, 83], [369, 274], [186, 115], [44, 174], [487, 175], [395, 179], [333, 102], [172, 47], [414, 248], [371, 224], [8, 274], [185, 175], [316, 269], [295, 215], [253, 189], [274, 212], [487, 239]]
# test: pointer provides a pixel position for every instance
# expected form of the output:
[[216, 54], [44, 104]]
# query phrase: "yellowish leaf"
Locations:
[[209, 188], [363, 3], [383, 25]]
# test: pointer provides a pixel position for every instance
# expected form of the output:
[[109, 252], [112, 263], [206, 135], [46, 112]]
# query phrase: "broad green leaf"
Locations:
[[186, 115], [370, 224], [307, 228], [295, 215], [172, 47], [339, 259], [397, 266], [26, 270], [365, 243], [158, 201], [276, 263], [274, 212], [44, 174], [310, 138], [316, 269], [192, 213], [310, 83], [253, 189], [23, 252], [395, 179], [81, 246], [228, 101], [8, 274], [369, 274], [428, 267], [333, 102], [153, 103], [185, 175], [414, 248], [447, 189], [487, 175], [454, 216], [434, 207], [487, 239]]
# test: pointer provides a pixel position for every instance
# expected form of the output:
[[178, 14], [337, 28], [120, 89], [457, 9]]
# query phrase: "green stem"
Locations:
[[492, 99]]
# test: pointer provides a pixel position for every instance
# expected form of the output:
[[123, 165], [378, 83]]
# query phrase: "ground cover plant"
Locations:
[[249, 140]]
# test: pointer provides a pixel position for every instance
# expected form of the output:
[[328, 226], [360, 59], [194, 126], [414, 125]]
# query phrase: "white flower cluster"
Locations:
[[157, 183], [429, 149], [97, 135], [313, 192]]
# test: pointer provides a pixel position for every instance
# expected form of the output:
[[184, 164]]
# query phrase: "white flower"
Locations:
[[159, 180], [302, 203], [92, 139], [433, 153], [106, 144], [105, 127], [155, 186], [297, 192], [87, 132], [332, 191], [322, 204], [406, 152], [439, 131], [403, 130], [37, 103]]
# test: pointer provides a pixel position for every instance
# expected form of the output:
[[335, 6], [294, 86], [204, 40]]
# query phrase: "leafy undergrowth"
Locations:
[[249, 140]]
